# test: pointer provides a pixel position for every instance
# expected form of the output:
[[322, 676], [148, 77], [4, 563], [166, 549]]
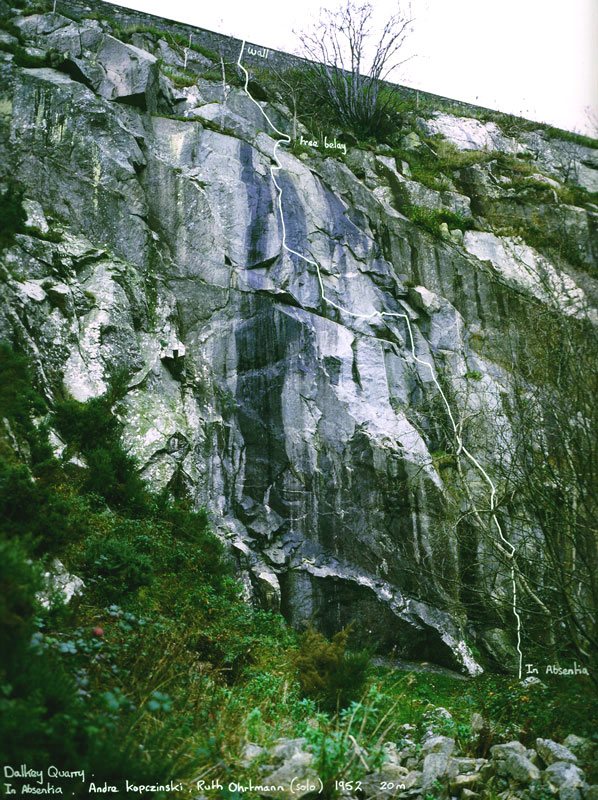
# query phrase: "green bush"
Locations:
[[326, 672], [431, 219], [19, 581], [37, 699], [19, 401], [12, 215], [118, 565], [24, 59], [92, 430], [33, 509]]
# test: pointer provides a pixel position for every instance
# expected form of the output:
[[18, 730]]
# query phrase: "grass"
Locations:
[[126, 32], [431, 219], [179, 76], [437, 162], [570, 136], [512, 710], [22, 58]]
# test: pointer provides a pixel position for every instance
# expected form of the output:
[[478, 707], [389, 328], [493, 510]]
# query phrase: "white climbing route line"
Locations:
[[510, 548]]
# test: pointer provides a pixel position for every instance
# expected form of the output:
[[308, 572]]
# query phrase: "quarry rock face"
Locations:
[[307, 425]]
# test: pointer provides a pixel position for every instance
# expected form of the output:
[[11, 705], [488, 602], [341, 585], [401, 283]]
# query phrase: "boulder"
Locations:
[[411, 141], [467, 133], [468, 765], [413, 779], [518, 768], [60, 585], [126, 72], [284, 749], [436, 767], [502, 751], [477, 722], [585, 750], [391, 776], [565, 777], [250, 752], [438, 744], [296, 776], [468, 781], [551, 751]]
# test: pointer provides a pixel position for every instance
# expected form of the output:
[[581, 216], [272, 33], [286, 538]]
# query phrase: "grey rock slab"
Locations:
[[467, 133], [362, 162], [128, 71], [524, 268], [436, 767], [518, 768], [585, 750], [244, 385], [502, 751], [35, 215], [72, 40], [438, 744], [567, 778], [95, 189], [500, 645], [8, 38], [467, 781], [225, 119], [417, 194], [295, 778], [59, 582], [552, 751], [41, 24], [566, 161]]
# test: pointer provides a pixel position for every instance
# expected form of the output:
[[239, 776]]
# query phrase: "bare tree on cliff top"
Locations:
[[351, 62]]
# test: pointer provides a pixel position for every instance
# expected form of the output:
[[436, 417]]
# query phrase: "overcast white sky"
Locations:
[[536, 58]]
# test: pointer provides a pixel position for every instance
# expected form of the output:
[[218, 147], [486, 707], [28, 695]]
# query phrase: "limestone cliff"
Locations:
[[310, 426]]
